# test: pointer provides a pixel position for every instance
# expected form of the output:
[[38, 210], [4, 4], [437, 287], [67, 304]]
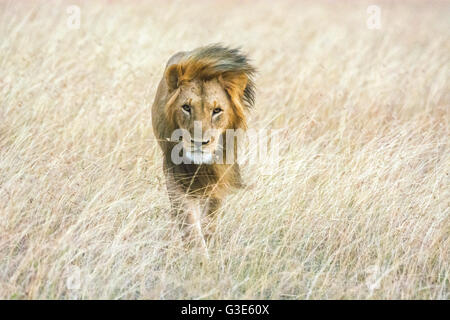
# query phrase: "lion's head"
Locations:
[[209, 90]]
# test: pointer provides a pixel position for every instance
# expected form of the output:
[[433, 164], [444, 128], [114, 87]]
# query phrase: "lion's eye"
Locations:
[[186, 107], [217, 110]]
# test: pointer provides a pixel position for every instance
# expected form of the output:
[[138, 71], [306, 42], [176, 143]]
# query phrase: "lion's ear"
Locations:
[[172, 75], [235, 84], [241, 82]]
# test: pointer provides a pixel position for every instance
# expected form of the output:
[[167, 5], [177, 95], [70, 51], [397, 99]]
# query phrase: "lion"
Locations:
[[211, 86]]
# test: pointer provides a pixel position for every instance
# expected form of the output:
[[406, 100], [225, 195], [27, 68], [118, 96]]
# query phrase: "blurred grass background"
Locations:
[[357, 208]]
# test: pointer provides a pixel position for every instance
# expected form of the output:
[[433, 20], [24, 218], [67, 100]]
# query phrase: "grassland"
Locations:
[[358, 206]]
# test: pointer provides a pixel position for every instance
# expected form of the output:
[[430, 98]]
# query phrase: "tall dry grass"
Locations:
[[357, 208]]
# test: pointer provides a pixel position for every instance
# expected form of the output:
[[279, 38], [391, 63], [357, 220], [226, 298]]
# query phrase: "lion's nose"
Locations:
[[198, 143]]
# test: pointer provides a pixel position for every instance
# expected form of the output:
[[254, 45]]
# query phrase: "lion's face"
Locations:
[[204, 110], [208, 92]]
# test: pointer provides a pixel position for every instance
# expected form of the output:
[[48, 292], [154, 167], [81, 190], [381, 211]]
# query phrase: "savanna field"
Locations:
[[357, 207]]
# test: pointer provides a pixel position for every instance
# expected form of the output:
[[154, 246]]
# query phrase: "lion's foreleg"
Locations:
[[191, 226], [187, 212]]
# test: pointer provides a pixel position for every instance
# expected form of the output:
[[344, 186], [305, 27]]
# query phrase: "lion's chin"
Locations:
[[198, 157]]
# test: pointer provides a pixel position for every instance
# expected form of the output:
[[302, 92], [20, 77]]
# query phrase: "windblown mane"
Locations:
[[216, 60]]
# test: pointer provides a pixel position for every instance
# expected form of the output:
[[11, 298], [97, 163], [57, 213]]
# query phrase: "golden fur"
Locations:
[[190, 73]]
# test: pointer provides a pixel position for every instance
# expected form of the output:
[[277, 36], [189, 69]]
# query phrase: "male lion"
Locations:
[[213, 87]]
